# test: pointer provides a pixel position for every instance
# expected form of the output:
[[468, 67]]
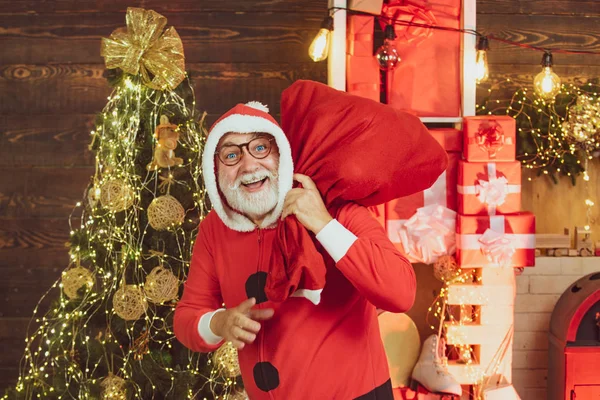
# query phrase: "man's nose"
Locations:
[[248, 163]]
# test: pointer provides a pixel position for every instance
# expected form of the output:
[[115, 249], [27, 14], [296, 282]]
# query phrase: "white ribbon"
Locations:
[[429, 234], [498, 246], [431, 231], [492, 192]]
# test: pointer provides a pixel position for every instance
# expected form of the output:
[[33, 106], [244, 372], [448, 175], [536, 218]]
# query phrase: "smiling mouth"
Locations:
[[256, 185]]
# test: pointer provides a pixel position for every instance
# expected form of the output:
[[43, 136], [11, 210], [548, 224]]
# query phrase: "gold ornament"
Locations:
[[583, 121], [226, 361], [140, 345], [93, 196], [445, 268], [116, 195], [161, 285], [76, 278], [144, 48], [113, 388], [164, 212], [167, 136], [129, 302], [241, 395]]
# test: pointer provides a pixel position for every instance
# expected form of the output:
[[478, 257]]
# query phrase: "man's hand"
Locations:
[[307, 205], [239, 325]]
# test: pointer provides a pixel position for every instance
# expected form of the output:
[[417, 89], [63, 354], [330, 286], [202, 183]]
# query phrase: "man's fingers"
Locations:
[[249, 323], [306, 182], [244, 336], [246, 305], [238, 344], [262, 314]]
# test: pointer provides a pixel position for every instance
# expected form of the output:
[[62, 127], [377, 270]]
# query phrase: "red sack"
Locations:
[[355, 150]]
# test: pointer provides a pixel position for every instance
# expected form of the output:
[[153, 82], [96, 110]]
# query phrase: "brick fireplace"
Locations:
[[538, 291]]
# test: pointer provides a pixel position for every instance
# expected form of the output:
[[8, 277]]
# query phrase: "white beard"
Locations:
[[254, 205]]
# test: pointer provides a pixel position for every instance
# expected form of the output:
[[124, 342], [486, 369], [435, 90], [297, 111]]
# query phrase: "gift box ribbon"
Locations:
[[492, 192], [490, 138], [497, 245], [431, 231]]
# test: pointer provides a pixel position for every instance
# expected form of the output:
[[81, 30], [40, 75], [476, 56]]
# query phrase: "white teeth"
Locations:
[[253, 181]]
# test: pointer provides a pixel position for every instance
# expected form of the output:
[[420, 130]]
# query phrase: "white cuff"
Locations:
[[204, 328], [336, 239], [314, 296]]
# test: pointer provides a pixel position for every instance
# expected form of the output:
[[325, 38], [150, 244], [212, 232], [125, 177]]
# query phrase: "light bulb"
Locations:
[[387, 55], [319, 48], [547, 83], [482, 71]]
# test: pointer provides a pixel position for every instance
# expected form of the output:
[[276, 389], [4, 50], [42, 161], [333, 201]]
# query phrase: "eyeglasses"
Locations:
[[258, 148]]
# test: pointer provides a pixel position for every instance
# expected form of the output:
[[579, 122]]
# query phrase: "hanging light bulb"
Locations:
[[387, 55], [547, 83], [482, 71], [319, 48]]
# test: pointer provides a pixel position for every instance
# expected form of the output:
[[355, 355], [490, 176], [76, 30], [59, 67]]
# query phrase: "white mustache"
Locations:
[[253, 177]]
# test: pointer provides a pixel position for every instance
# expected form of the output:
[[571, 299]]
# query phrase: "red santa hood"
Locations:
[[246, 118]]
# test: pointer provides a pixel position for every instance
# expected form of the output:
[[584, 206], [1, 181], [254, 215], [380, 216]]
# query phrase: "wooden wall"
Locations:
[[51, 86]]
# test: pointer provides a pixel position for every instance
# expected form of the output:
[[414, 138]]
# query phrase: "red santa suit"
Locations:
[[332, 350]]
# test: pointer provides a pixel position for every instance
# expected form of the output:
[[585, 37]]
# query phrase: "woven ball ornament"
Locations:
[[165, 212], [116, 195], [445, 268], [226, 361], [113, 388], [129, 302], [161, 285], [76, 278], [240, 395]]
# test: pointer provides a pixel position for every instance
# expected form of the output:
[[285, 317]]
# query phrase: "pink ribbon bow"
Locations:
[[429, 234], [497, 247], [493, 192]]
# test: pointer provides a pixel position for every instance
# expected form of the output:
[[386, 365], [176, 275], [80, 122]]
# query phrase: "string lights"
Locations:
[[547, 83], [107, 335], [319, 48]]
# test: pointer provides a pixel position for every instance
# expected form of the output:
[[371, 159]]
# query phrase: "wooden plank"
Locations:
[[207, 36], [81, 89], [474, 334], [191, 6], [8, 377], [42, 192], [50, 140], [465, 374], [480, 295], [28, 273], [33, 233], [547, 7], [549, 32], [46, 140]]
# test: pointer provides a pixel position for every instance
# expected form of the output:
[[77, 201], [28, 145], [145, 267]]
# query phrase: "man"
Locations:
[[294, 349]]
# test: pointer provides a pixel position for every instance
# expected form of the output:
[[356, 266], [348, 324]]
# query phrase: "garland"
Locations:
[[554, 137]]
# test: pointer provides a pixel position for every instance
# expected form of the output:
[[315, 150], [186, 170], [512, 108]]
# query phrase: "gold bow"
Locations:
[[143, 48]]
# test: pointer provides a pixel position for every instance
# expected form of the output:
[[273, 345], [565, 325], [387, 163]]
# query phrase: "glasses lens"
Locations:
[[259, 147], [230, 155]]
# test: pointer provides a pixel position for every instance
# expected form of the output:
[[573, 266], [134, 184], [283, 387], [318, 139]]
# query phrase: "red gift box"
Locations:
[[490, 138], [418, 82], [362, 75], [498, 240], [360, 35], [489, 188], [429, 214]]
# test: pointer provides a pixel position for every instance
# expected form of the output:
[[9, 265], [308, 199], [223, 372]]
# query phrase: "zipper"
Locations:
[[261, 335]]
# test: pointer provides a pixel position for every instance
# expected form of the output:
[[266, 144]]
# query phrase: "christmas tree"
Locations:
[[107, 333]]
